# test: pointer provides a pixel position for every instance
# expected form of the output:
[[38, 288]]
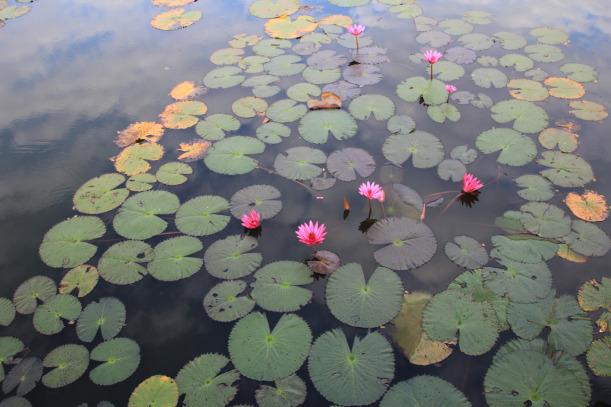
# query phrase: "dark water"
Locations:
[[76, 72]]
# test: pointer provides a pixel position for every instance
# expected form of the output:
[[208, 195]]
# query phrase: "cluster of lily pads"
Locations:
[[11, 11], [176, 17], [506, 288]]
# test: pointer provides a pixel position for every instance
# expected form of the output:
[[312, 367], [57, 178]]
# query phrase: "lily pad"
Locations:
[[564, 88], [565, 170], [106, 315], [534, 188], [9, 347], [277, 286], [300, 163], [273, 133], [138, 217], [345, 90], [273, 8], [263, 354], [548, 35], [271, 47], [409, 244], [380, 106], [439, 113], [598, 357], [452, 170], [526, 116], [460, 55], [134, 160], [289, 392], [489, 77], [587, 110], [265, 199], [48, 318], [69, 362], [215, 126], [423, 148], [321, 76], [27, 296], [521, 282], [286, 111], [349, 163], [425, 391], [590, 206], [120, 358], [175, 19], [523, 248], [82, 278], [587, 239], [510, 40], [249, 106], [231, 156], [182, 115], [417, 87], [476, 41], [24, 376], [284, 65], [579, 72], [158, 391], [173, 173], [518, 62], [526, 89], [516, 149], [7, 311], [594, 295], [545, 220], [401, 124], [284, 27], [434, 38], [224, 77], [362, 74], [316, 126], [226, 56], [224, 303], [100, 194], [544, 53], [551, 138], [202, 215], [66, 244], [171, 261], [466, 252]]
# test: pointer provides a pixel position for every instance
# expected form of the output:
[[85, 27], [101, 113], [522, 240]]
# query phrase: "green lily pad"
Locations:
[[518, 62], [226, 56], [425, 391], [316, 126], [122, 263], [31, 291], [9, 347], [15, 401], [100, 194], [300, 163], [526, 116], [451, 170], [585, 238], [289, 392], [7, 311], [587, 110], [249, 106], [253, 63], [286, 111], [521, 282], [349, 163], [545, 220], [400, 124], [48, 318], [69, 362], [425, 150], [489, 77], [459, 55], [273, 8], [510, 40], [265, 199], [534, 188], [526, 89], [515, 149], [464, 154], [326, 59], [565, 170], [273, 133], [23, 377], [409, 244], [303, 91], [202, 215], [229, 258], [447, 71], [548, 35], [284, 65], [417, 87], [134, 160], [65, 244], [440, 113], [173, 173], [231, 156], [321, 76], [380, 106], [215, 126], [360, 303], [82, 278], [523, 248], [599, 357], [224, 77], [362, 74], [551, 138], [271, 47], [454, 315], [203, 383], [544, 53], [106, 315], [120, 358], [277, 286], [224, 304], [476, 41], [171, 261], [158, 391], [594, 295], [434, 38], [466, 252], [351, 375], [263, 354], [579, 72], [138, 216], [141, 182]]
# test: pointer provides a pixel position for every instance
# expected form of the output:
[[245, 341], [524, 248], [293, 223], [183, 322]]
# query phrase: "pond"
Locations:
[[135, 136]]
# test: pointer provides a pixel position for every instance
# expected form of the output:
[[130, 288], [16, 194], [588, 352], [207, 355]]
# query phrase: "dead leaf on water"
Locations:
[[194, 150], [175, 19], [139, 132], [187, 90], [589, 206], [328, 100]]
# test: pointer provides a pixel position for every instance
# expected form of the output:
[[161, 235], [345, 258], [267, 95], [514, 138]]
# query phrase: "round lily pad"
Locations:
[[289, 392], [249, 106], [588, 110], [466, 252], [380, 106], [409, 244], [65, 244], [586, 238], [316, 126], [362, 74], [286, 111], [273, 8], [15, 401], [284, 65], [106, 315], [9, 347], [360, 303], [489, 77], [158, 391], [48, 318], [134, 160], [579, 72], [599, 356], [265, 199], [175, 19], [260, 353], [476, 41], [31, 291], [527, 89], [277, 286], [594, 295], [425, 391], [401, 124], [202, 215], [510, 40], [69, 362], [224, 304], [434, 38], [24, 376], [224, 77], [138, 216], [440, 113], [182, 115], [273, 133], [545, 220], [522, 248], [100, 194], [544, 53], [203, 383], [173, 173], [534, 188], [172, 261], [7, 311], [300, 163], [551, 138], [215, 126], [229, 258], [348, 163], [521, 282], [565, 170], [141, 182], [451, 170], [226, 56], [284, 27], [82, 278], [302, 92], [231, 156], [549, 35], [417, 87], [518, 62], [526, 116], [120, 358], [515, 148], [423, 148], [122, 263]]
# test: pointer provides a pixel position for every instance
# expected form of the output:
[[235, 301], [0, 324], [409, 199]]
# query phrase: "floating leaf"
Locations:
[[521, 282], [65, 244], [120, 358], [599, 357], [516, 149], [263, 198], [423, 148], [586, 110], [460, 55], [551, 138], [182, 115], [544, 53], [24, 376], [548, 35], [263, 354], [249, 106], [526, 116], [534, 188], [9, 347], [231, 156], [348, 163], [284, 27], [510, 41], [253, 63], [526, 89], [139, 132], [565, 88], [14, 401], [326, 59], [273, 8], [193, 151], [224, 77], [566, 253], [171, 261], [7, 311], [273, 133], [158, 391], [134, 159], [289, 392], [476, 41], [173, 173], [380, 106], [362, 74], [590, 206], [99, 195], [324, 262], [203, 383], [69, 363], [425, 391], [302, 92], [215, 126], [401, 124], [106, 315], [453, 315], [417, 87], [300, 163], [175, 19], [32, 290], [271, 47], [434, 38], [186, 90], [440, 113], [466, 252], [489, 77], [565, 170], [351, 376], [286, 111], [360, 303], [410, 244], [201, 216], [138, 217], [579, 72], [594, 295], [451, 170], [226, 56], [328, 100], [587, 239], [522, 248], [48, 317], [277, 286], [121, 263], [224, 304], [343, 89], [316, 126], [11, 12], [284, 65], [518, 62]]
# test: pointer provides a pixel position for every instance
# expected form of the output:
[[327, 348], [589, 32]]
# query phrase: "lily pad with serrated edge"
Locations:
[[273, 8], [409, 244], [551, 138], [106, 315], [360, 303], [489, 77], [224, 304], [278, 286], [526, 116], [229, 258], [425, 391], [120, 358], [380, 106], [123, 262], [66, 244], [273, 133], [100, 194], [224, 77], [316, 126], [466, 252], [453, 315], [423, 148], [452, 170], [158, 391], [231, 156], [289, 392], [185, 90], [9, 347], [261, 353], [587, 239], [173, 173], [599, 357], [141, 182], [587, 110], [182, 115], [7, 311], [518, 62], [521, 282], [265, 199], [27, 296], [203, 383], [138, 216], [527, 89], [300, 163], [349, 163], [534, 188], [48, 318], [23, 377], [432, 92], [215, 126], [593, 295], [565, 170], [545, 220], [579, 72], [202, 215], [69, 362], [175, 19], [82, 278], [523, 248], [351, 375], [172, 261]]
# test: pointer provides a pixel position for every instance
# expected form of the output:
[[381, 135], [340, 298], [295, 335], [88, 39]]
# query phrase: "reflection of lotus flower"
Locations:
[[251, 220], [356, 29], [311, 233], [371, 190], [470, 183], [432, 56], [450, 89]]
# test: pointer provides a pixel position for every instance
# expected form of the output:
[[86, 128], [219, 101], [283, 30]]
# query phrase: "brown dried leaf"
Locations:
[[187, 90], [336, 19], [182, 115], [134, 159], [590, 206], [139, 132], [175, 18], [194, 150], [325, 262], [286, 28], [565, 252], [328, 100]]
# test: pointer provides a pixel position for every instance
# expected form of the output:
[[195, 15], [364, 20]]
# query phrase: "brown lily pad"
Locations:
[[139, 132], [589, 206]]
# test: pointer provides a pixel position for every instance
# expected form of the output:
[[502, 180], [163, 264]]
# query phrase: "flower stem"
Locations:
[[431, 72]]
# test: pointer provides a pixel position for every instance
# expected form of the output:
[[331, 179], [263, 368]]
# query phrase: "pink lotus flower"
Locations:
[[451, 89], [371, 190], [311, 234], [432, 56], [356, 29], [251, 220], [471, 184]]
